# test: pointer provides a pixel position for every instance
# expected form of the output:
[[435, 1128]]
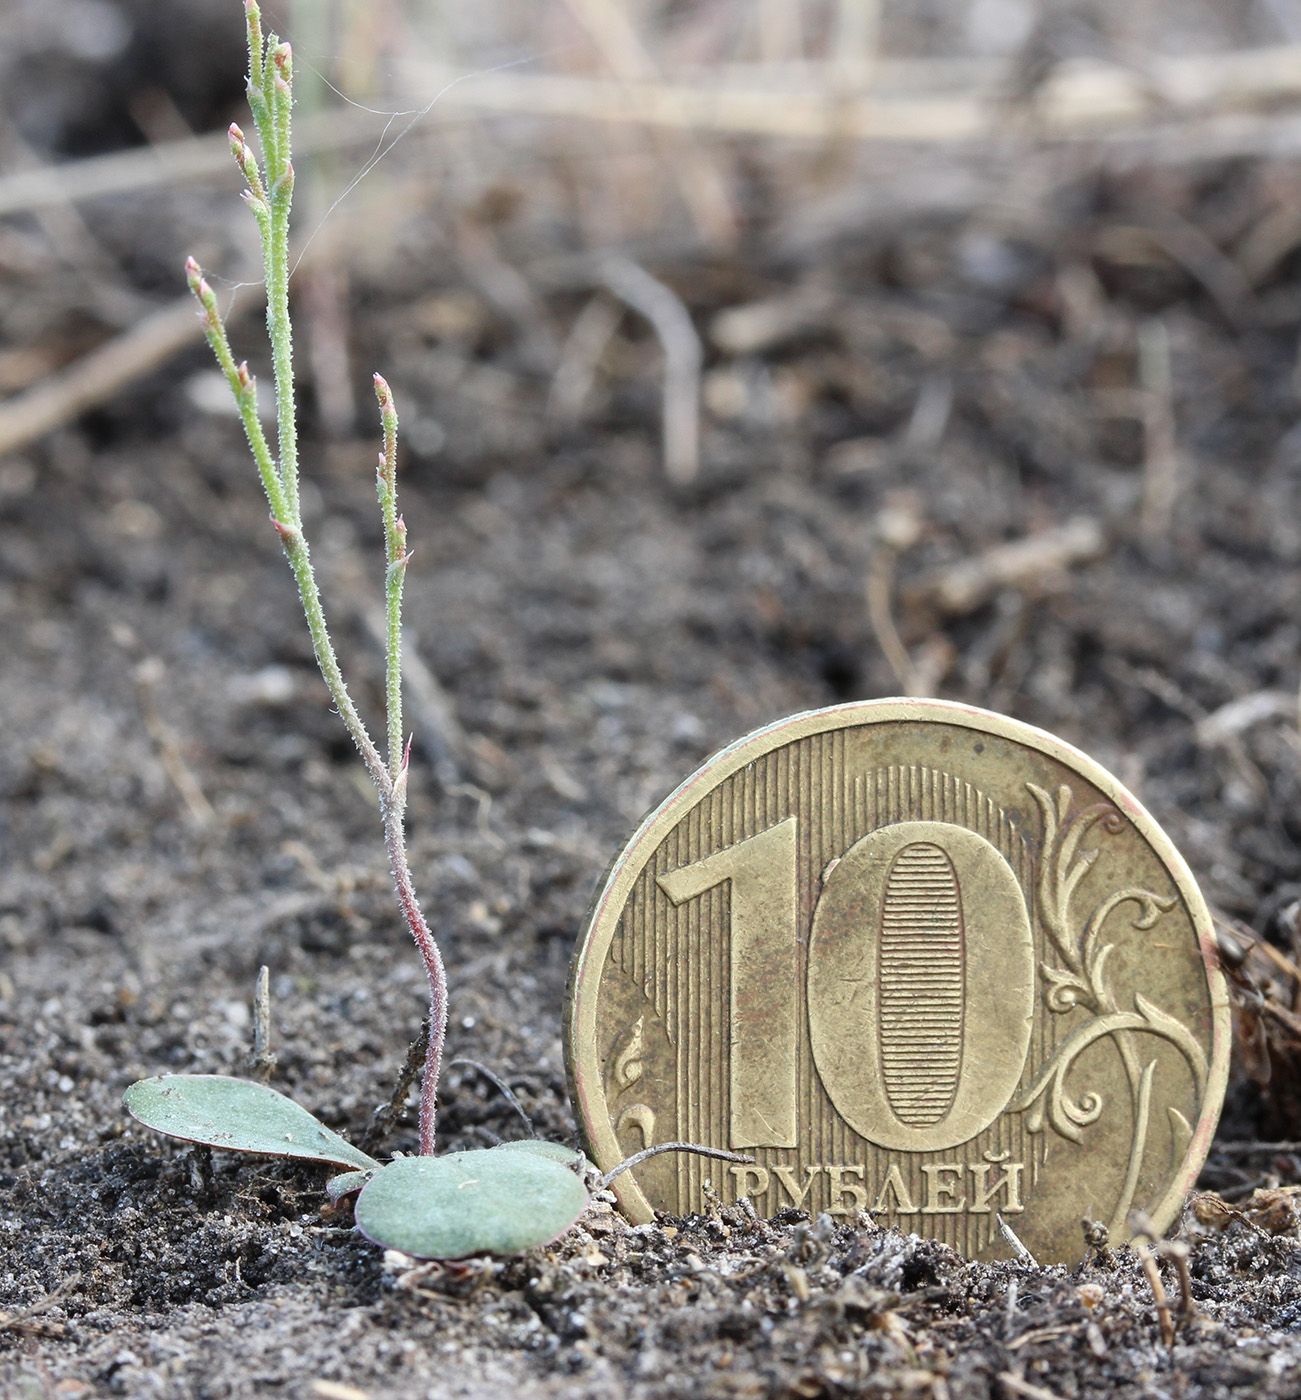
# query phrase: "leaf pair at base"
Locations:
[[497, 1200]]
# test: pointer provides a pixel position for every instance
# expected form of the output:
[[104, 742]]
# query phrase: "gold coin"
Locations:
[[916, 959]]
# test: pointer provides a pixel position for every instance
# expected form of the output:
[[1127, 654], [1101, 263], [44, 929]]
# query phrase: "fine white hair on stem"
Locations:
[[269, 196]]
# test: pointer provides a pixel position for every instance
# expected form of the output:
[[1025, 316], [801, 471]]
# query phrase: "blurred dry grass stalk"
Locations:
[[658, 131]]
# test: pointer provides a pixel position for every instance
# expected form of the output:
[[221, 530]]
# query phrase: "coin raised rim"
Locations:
[[586, 1084]]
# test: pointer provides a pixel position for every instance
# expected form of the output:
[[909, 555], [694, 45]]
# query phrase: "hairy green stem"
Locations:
[[256, 47], [300, 561], [395, 561], [242, 385], [280, 186], [282, 354], [269, 196]]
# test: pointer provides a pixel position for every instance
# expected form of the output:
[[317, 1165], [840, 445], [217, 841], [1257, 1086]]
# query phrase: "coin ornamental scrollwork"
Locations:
[[919, 960], [1084, 982]]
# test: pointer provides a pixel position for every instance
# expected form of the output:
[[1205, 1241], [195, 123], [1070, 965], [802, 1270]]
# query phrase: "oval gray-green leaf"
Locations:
[[481, 1202], [238, 1115], [554, 1151], [345, 1184]]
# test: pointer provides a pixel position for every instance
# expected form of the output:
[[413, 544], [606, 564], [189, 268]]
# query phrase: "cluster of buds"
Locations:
[[255, 196]]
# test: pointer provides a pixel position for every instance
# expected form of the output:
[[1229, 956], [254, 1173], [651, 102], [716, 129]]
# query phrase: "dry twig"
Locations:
[[962, 587], [148, 673], [922, 101], [1235, 717], [1147, 1245], [683, 356], [508, 290], [638, 1157], [759, 326], [1148, 1261], [912, 100], [592, 331], [1010, 1236], [1020, 1387], [877, 590], [389, 1113], [28, 1319], [1252, 1149], [263, 1058], [97, 376], [1216, 271], [1160, 455], [704, 190], [898, 528]]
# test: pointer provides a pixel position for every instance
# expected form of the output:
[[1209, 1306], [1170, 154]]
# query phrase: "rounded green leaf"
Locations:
[[481, 1202], [345, 1184], [238, 1116], [554, 1151]]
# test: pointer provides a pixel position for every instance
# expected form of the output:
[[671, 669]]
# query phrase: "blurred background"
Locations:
[[752, 355]]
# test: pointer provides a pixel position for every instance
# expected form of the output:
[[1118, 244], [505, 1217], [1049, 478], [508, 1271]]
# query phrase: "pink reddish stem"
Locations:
[[433, 967]]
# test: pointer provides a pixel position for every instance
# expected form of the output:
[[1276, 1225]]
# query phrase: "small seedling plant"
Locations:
[[498, 1200]]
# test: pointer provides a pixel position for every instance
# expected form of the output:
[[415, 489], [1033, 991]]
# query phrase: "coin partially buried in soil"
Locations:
[[917, 959]]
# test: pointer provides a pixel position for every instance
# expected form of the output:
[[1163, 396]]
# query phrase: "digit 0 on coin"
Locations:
[[916, 959]]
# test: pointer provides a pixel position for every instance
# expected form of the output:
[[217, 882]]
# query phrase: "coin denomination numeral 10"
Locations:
[[920, 983]]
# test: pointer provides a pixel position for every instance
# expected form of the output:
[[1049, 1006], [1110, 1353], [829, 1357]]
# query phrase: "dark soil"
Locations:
[[181, 806]]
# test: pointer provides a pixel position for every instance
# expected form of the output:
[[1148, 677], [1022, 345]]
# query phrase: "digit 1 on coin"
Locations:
[[919, 959]]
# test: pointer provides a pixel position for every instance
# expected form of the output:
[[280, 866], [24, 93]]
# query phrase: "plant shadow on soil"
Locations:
[[180, 806]]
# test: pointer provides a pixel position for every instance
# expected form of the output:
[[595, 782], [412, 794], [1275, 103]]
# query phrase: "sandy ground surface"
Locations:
[[180, 806]]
